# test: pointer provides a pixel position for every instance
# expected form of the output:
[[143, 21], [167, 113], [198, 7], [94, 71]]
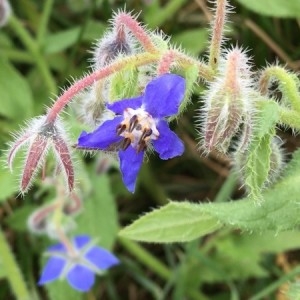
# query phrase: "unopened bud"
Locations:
[[39, 137], [227, 102], [111, 45], [5, 11]]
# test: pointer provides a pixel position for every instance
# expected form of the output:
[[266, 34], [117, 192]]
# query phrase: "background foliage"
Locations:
[[43, 47]]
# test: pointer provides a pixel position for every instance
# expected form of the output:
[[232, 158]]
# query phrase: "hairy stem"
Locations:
[[137, 30], [67, 96], [217, 34], [288, 84]]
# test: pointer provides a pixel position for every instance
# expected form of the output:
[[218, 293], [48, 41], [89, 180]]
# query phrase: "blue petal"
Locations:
[[56, 248], [52, 270], [81, 240], [104, 136], [130, 164], [119, 106], [81, 278], [163, 95], [168, 144], [101, 258]]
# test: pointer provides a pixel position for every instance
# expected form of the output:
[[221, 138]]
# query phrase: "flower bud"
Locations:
[[227, 102], [5, 12], [41, 136], [117, 42]]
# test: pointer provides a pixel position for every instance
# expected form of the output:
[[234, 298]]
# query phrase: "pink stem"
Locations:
[[165, 63], [138, 31], [81, 84]]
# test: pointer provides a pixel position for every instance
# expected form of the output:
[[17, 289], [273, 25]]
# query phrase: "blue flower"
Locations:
[[78, 264], [139, 124]]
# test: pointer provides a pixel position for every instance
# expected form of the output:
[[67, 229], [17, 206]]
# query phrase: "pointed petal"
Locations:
[[81, 240], [119, 106], [168, 144], [163, 95], [130, 164], [81, 278], [104, 136], [52, 270], [57, 248], [33, 160], [101, 258], [63, 154], [15, 147]]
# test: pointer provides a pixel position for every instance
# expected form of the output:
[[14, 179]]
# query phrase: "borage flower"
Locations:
[[78, 264], [138, 124]]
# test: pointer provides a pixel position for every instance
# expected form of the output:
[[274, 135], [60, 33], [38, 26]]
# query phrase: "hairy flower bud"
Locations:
[[40, 137], [114, 43], [227, 102], [5, 11]]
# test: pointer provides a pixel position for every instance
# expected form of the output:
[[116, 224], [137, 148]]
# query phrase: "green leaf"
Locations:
[[61, 290], [99, 219], [124, 84], [8, 180], [15, 95], [257, 163], [240, 255], [175, 222], [62, 40], [18, 219], [187, 39], [155, 15], [279, 210], [274, 8]]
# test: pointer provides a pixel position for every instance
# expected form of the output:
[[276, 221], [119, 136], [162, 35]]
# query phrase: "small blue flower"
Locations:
[[138, 124], [78, 264]]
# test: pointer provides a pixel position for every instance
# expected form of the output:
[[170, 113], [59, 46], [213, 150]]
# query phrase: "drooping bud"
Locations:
[[40, 136], [227, 102], [5, 11], [114, 43]]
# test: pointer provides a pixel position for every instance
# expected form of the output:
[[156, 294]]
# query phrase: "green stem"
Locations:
[[155, 265], [44, 22], [288, 84], [17, 55], [32, 47], [151, 185], [227, 188], [290, 118], [146, 258], [12, 270], [275, 285]]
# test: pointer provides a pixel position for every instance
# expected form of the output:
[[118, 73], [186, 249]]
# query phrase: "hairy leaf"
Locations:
[[258, 158], [175, 222], [183, 221]]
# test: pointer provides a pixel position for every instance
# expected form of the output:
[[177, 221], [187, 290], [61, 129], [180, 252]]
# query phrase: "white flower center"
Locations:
[[137, 128]]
